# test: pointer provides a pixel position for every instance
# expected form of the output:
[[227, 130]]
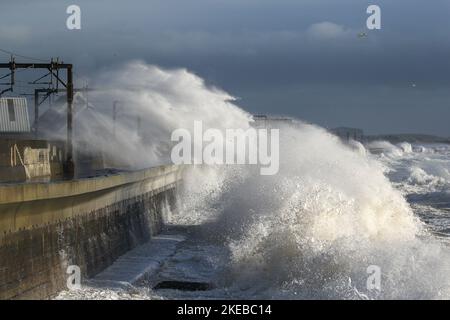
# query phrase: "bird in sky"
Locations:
[[362, 35]]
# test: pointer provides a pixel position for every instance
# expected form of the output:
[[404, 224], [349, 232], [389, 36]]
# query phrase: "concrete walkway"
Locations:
[[141, 262]]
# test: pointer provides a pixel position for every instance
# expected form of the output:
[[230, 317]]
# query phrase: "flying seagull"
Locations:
[[362, 35]]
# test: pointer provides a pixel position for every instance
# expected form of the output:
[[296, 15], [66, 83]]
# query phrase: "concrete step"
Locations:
[[143, 261]]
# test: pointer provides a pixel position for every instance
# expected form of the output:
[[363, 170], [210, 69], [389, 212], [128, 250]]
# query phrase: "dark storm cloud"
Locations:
[[301, 58]]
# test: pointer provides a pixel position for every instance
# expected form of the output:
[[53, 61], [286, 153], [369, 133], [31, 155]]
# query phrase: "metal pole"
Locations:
[[114, 117], [138, 124], [70, 166], [36, 112]]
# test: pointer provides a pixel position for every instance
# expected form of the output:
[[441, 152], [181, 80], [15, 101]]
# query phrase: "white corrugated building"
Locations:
[[14, 115]]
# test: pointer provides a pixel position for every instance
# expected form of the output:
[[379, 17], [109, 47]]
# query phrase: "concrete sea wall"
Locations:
[[45, 227]]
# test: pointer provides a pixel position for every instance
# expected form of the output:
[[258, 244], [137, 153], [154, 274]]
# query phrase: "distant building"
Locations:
[[263, 121], [14, 116], [349, 133]]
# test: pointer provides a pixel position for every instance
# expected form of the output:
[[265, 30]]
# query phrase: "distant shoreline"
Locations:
[[408, 137]]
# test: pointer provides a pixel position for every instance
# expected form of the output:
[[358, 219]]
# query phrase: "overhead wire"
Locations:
[[21, 56]]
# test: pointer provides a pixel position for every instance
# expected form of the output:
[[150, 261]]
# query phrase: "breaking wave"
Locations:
[[310, 231], [313, 230]]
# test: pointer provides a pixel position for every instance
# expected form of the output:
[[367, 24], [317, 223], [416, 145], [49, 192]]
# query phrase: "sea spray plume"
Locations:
[[162, 100], [203, 192]]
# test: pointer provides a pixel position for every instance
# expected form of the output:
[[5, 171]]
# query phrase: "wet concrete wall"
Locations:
[[44, 228]]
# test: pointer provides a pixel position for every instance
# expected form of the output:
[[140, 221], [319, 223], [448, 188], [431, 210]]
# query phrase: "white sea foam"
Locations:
[[312, 230], [420, 177], [405, 147]]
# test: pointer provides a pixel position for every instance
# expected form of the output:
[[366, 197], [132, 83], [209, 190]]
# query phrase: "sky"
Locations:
[[300, 58]]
